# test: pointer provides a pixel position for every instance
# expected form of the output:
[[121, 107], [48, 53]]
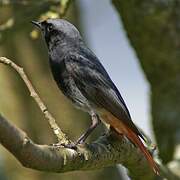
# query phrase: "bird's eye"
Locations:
[[50, 28]]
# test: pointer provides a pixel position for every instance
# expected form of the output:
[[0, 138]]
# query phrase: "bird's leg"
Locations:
[[94, 123]]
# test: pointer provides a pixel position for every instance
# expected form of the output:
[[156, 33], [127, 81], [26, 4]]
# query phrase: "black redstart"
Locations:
[[82, 79]]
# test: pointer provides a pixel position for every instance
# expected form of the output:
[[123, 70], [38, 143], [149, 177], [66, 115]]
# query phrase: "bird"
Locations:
[[82, 78]]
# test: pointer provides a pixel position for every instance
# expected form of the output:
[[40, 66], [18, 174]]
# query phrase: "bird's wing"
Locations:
[[95, 84]]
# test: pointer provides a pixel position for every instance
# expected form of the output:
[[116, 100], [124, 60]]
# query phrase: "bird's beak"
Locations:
[[36, 23]]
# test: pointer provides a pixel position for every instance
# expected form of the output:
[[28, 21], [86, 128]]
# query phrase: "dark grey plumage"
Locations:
[[79, 74], [82, 78]]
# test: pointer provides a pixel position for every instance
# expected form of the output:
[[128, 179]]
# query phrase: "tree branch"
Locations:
[[107, 150], [51, 120]]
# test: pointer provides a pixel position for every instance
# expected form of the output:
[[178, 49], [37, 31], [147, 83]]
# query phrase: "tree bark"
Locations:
[[106, 151]]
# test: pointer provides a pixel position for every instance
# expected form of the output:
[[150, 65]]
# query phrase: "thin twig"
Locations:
[[62, 138]]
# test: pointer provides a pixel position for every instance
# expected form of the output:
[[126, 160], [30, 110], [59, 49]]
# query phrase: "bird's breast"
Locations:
[[67, 85]]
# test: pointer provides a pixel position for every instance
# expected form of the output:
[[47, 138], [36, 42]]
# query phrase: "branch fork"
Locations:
[[107, 150]]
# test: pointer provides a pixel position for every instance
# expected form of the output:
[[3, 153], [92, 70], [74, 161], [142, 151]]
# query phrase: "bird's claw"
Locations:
[[70, 145]]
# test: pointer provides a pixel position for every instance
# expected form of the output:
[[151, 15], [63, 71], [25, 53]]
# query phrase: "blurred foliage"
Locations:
[[15, 102], [153, 28], [12, 12]]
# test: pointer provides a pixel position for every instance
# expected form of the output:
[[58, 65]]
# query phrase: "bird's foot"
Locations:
[[70, 145]]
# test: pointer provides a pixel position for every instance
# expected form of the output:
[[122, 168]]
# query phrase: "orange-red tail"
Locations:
[[136, 140], [121, 128]]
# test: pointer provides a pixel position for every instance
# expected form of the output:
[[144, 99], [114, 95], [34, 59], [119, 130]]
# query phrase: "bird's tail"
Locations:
[[121, 128], [137, 141]]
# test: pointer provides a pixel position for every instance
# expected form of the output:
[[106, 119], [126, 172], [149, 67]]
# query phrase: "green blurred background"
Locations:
[[140, 50]]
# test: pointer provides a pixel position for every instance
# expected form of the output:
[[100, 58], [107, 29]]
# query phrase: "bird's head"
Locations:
[[58, 30]]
